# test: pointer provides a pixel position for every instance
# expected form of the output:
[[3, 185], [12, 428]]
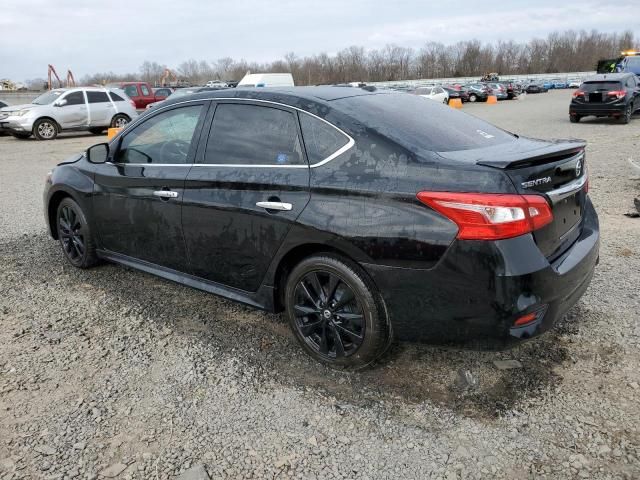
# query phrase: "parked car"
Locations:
[[547, 85], [266, 80], [498, 90], [2, 105], [458, 92], [574, 83], [535, 88], [162, 93], [478, 92], [559, 83], [270, 199], [614, 95], [436, 93], [87, 108], [512, 88], [180, 92], [140, 92], [216, 84]]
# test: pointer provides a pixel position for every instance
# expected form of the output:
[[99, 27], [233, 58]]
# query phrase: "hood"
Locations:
[[509, 154], [13, 108]]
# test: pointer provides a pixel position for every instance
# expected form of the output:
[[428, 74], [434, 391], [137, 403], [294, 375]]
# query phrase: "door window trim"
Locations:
[[213, 101]]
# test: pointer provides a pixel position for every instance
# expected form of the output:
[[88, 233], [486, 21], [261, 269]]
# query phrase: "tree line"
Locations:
[[568, 51]]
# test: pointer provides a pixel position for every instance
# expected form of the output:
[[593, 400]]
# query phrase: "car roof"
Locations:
[[610, 77], [286, 95]]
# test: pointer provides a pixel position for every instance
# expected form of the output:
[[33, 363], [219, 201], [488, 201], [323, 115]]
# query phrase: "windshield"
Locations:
[[48, 97], [633, 61], [413, 121]]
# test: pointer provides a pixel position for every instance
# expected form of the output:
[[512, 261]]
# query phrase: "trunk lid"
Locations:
[[555, 170]]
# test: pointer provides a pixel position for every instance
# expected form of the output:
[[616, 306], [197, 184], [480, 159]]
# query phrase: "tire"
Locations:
[[344, 329], [97, 130], [574, 118], [626, 118], [119, 120], [74, 234], [45, 129], [473, 97], [21, 136]]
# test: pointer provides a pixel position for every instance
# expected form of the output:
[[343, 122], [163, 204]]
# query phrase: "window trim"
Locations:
[[214, 101]]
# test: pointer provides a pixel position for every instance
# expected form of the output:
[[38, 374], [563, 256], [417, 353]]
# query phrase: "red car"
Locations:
[[140, 92]]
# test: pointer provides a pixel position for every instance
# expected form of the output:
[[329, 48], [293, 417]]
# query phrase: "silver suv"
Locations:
[[87, 108]]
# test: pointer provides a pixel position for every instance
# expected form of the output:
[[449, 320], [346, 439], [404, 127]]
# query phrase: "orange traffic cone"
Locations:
[[491, 99]]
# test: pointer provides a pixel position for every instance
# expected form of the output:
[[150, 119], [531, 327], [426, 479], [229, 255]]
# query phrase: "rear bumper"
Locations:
[[606, 109], [478, 290]]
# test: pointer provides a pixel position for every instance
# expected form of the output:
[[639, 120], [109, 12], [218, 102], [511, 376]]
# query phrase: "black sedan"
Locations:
[[460, 93], [365, 216], [535, 88]]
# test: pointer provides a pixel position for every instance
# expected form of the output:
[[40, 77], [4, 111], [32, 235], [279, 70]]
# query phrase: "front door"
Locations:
[[73, 113], [138, 195], [248, 186]]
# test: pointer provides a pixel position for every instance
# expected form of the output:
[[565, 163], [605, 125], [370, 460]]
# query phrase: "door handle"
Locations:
[[165, 194], [275, 206]]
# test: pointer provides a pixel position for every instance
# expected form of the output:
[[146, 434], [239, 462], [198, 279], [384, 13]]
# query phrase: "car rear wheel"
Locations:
[[45, 129], [574, 118], [626, 117], [75, 235], [473, 97], [120, 120], [335, 312]]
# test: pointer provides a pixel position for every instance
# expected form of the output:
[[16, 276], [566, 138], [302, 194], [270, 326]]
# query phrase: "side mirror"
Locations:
[[61, 103], [98, 153]]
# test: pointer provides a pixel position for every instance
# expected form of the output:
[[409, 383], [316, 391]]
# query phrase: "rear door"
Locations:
[[249, 184], [101, 109], [138, 195]]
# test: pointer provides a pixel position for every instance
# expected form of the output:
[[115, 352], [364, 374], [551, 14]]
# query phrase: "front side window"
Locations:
[[163, 139], [131, 91], [97, 97], [320, 139], [74, 98], [253, 135]]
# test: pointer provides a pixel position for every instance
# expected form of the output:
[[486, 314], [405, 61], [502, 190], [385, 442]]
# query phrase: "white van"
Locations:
[[267, 80]]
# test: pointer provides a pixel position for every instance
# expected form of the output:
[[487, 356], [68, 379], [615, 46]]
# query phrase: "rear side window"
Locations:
[[115, 97], [131, 90], [418, 123], [97, 97], [320, 139], [590, 87], [253, 135], [145, 90]]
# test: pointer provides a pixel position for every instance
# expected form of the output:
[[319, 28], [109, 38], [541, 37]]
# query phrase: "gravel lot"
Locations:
[[115, 373]]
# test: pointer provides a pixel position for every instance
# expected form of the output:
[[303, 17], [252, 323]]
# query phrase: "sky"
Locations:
[[117, 35]]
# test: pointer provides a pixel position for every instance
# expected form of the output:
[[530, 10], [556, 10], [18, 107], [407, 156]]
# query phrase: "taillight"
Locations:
[[578, 93], [490, 216], [617, 93]]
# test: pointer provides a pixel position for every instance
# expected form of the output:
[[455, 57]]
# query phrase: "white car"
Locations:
[[216, 84], [574, 83], [267, 80], [438, 94], [86, 108]]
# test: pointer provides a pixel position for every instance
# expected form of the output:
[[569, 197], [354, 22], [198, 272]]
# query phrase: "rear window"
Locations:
[[414, 121], [600, 86]]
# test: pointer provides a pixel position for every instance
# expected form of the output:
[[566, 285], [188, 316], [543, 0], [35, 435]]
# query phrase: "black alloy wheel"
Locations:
[[75, 235], [334, 313]]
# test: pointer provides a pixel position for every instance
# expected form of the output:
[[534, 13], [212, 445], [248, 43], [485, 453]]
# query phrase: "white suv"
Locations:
[[87, 108]]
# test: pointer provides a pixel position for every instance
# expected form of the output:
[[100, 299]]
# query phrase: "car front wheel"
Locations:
[[75, 235], [473, 98], [335, 312], [45, 129]]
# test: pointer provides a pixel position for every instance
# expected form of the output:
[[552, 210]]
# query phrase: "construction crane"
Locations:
[[71, 81], [165, 75], [52, 72]]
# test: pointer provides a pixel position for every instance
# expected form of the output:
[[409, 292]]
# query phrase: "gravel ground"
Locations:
[[114, 373]]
